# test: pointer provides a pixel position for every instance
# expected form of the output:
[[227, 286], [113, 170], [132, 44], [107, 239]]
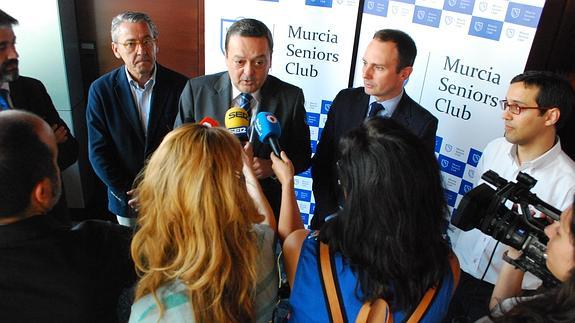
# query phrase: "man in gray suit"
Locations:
[[246, 84], [387, 64]]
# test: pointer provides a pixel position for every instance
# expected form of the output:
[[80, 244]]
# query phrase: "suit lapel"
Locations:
[[127, 105], [157, 106], [403, 111], [268, 103], [221, 97]]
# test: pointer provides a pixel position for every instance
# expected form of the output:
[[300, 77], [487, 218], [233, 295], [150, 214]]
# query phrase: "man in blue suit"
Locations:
[[387, 64], [130, 110]]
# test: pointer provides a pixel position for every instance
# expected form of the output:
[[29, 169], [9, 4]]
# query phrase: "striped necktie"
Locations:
[[245, 101], [4, 105]]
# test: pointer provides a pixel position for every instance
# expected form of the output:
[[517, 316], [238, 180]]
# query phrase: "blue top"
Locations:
[[309, 305]]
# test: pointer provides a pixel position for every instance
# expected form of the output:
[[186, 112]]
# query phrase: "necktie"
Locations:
[[245, 100], [4, 100], [375, 109]]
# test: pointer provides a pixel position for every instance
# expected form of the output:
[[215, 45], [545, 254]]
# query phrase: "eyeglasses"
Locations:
[[516, 109], [131, 45]]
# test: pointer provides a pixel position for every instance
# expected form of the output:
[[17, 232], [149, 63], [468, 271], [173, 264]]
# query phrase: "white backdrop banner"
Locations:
[[313, 47], [468, 51]]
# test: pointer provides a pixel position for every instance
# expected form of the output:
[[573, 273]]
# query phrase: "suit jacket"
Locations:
[[51, 272], [117, 144], [348, 110], [211, 96], [30, 95]]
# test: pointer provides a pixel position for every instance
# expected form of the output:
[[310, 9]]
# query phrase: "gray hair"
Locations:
[[135, 17]]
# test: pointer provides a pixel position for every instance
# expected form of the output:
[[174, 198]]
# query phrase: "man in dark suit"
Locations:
[[130, 110], [387, 64], [25, 93], [246, 84]]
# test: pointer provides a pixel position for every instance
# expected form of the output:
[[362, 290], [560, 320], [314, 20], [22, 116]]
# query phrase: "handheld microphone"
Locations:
[[268, 128], [209, 122], [237, 122]]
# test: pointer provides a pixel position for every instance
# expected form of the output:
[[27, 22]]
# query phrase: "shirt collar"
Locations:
[[389, 105], [235, 93], [540, 161], [148, 84]]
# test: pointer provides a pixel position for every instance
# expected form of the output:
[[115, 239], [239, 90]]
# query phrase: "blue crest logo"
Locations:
[[448, 148], [476, 158], [471, 173], [483, 6], [515, 12], [510, 32], [421, 14], [478, 26], [448, 20], [394, 9], [444, 163], [370, 5], [452, 3], [466, 188]]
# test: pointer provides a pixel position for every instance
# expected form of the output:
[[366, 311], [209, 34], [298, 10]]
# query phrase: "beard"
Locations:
[[9, 70]]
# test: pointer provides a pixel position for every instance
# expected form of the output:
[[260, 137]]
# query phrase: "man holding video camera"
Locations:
[[536, 105]]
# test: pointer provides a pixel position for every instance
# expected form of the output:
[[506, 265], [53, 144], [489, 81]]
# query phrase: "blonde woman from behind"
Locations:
[[204, 243]]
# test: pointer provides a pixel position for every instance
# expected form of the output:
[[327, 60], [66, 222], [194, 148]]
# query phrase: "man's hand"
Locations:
[[60, 132], [262, 168]]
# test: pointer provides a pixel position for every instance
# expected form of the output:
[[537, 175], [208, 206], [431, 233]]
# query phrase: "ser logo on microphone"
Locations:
[[238, 114]]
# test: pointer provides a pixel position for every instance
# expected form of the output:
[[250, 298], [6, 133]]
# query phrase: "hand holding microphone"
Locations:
[[283, 169], [268, 129]]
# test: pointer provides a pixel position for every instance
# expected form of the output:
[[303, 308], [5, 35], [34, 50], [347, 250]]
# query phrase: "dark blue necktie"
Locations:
[[375, 108], [4, 100], [245, 100]]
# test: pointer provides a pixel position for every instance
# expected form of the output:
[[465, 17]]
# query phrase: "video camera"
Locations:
[[484, 208]]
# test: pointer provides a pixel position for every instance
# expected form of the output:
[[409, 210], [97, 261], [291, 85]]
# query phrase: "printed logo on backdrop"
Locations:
[[427, 16], [376, 7], [319, 3], [485, 28], [225, 24], [524, 15], [461, 6], [474, 156]]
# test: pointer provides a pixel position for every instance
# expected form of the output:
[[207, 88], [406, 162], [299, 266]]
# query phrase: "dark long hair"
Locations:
[[554, 306], [391, 227]]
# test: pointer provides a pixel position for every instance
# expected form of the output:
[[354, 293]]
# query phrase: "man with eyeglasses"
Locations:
[[536, 105], [25, 93], [130, 110]]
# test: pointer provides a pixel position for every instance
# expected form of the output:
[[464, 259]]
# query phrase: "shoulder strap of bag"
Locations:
[[382, 313], [329, 285]]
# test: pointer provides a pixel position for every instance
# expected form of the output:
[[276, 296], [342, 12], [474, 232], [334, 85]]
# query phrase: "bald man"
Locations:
[[50, 270]]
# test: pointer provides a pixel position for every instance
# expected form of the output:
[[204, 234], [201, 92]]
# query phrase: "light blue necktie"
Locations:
[[4, 100]]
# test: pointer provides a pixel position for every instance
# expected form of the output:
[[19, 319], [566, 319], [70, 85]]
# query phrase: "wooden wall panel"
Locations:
[[180, 24]]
